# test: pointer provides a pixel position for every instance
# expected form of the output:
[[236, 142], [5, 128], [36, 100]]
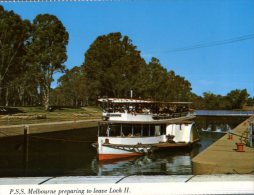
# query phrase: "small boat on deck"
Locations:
[[133, 127]]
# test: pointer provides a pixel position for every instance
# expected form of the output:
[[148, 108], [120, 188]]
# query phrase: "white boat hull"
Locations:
[[123, 146], [119, 147]]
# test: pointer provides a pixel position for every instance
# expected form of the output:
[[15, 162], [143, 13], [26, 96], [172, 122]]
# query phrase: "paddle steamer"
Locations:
[[132, 127]]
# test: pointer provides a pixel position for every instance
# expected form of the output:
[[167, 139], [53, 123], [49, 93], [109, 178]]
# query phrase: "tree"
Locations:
[[237, 98], [14, 36], [157, 80], [48, 51], [72, 86], [213, 101], [179, 88], [250, 101], [113, 66], [197, 102]]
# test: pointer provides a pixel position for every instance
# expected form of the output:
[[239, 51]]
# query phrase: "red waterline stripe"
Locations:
[[114, 156]]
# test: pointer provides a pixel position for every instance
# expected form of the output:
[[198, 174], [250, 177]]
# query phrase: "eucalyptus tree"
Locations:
[[113, 66], [238, 98], [157, 80], [24, 90], [178, 88], [72, 86], [14, 36], [250, 101], [47, 51]]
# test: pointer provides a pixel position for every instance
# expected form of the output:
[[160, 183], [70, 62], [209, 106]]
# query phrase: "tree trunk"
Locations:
[[21, 92], [76, 103], [1, 89], [7, 97], [46, 98]]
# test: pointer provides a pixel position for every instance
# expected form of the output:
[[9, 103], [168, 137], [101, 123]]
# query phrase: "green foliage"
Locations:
[[237, 98], [213, 101], [197, 101], [164, 85], [14, 35], [250, 101], [47, 51], [156, 80], [72, 89], [113, 66]]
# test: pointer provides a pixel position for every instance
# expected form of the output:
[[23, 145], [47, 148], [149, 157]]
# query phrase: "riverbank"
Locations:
[[34, 115], [14, 130], [222, 157], [13, 121]]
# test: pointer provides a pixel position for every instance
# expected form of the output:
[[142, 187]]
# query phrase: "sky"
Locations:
[[208, 42]]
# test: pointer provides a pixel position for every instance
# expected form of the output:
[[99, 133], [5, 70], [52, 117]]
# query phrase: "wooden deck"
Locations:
[[222, 156]]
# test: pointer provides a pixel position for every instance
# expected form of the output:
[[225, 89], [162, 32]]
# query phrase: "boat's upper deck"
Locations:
[[120, 109]]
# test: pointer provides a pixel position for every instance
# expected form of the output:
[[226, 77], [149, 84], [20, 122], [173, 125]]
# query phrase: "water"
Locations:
[[69, 153]]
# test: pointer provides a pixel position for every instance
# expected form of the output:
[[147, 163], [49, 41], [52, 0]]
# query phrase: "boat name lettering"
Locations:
[[116, 115]]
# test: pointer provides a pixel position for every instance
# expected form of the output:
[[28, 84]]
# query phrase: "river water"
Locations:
[[69, 153]]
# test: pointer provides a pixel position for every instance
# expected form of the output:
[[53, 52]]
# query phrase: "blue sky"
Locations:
[[158, 27]]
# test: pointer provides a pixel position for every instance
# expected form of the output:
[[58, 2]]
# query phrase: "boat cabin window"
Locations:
[[163, 129], [157, 130], [115, 130], [154, 130], [109, 130], [103, 130], [146, 130], [137, 130], [132, 130], [126, 130]]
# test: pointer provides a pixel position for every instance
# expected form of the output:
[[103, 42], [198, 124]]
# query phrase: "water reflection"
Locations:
[[218, 124], [157, 163], [219, 128]]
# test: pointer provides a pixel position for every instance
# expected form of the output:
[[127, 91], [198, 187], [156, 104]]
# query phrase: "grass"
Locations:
[[25, 115]]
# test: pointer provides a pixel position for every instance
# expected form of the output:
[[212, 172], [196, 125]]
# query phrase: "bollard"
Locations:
[[25, 148], [230, 136], [240, 147]]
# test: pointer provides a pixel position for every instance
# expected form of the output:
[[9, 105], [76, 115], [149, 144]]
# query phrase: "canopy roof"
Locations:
[[137, 101]]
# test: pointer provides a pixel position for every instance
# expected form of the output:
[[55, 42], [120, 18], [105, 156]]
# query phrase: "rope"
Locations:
[[4, 133], [238, 135], [7, 135], [49, 138], [59, 139]]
